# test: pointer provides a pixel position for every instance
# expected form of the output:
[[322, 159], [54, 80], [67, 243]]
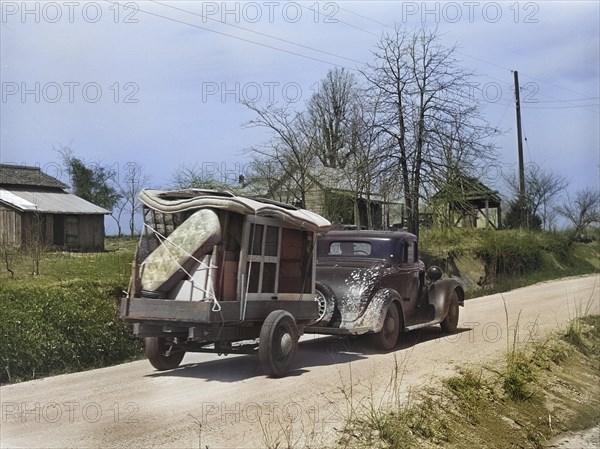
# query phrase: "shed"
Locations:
[[466, 202], [35, 208]]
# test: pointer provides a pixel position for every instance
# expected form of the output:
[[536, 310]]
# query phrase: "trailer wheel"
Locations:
[[161, 354], [387, 337], [278, 343], [450, 323]]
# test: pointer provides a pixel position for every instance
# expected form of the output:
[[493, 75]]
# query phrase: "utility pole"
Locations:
[[520, 148]]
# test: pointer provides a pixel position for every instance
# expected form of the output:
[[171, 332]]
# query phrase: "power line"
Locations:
[[565, 107], [258, 32], [569, 100], [349, 24], [484, 60], [182, 22]]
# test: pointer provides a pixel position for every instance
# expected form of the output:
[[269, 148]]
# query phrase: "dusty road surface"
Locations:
[[226, 401]]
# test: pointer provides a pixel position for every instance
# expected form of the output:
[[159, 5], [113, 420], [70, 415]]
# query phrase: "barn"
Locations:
[[35, 208]]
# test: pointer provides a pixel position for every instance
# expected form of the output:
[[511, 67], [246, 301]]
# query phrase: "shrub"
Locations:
[[55, 327], [509, 253]]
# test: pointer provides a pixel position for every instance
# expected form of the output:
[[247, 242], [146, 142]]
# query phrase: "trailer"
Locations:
[[220, 273]]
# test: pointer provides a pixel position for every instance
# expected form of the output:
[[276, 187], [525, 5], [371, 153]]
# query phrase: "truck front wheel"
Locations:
[[450, 323], [161, 354]]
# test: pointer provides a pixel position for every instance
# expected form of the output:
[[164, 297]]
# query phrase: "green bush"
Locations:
[[54, 327], [509, 253]]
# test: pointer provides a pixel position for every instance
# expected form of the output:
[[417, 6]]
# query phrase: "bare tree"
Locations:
[[542, 187], [8, 252], [331, 114], [194, 176], [365, 165], [424, 111], [265, 176], [583, 211], [35, 243], [291, 148], [129, 186]]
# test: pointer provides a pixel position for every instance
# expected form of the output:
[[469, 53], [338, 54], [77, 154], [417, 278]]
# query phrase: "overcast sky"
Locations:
[[161, 83]]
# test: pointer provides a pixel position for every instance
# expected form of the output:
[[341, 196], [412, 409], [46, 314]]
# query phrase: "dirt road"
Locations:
[[226, 401]]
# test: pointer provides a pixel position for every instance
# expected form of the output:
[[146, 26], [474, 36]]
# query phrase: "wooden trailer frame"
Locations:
[[255, 281]]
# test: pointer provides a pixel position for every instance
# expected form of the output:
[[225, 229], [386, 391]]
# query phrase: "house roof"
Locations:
[[335, 180], [22, 175], [49, 202], [466, 188]]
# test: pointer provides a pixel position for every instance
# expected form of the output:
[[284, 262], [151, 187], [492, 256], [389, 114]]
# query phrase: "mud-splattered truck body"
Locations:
[[216, 272], [373, 282]]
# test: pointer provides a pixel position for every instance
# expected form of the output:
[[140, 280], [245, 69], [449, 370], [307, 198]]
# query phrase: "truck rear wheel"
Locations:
[[161, 354], [325, 300], [278, 343], [387, 337]]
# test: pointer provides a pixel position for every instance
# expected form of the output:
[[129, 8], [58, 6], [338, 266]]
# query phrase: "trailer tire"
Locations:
[[156, 349], [278, 343]]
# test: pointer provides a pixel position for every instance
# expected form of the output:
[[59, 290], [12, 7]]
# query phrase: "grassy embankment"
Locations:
[[523, 400], [65, 319], [492, 262]]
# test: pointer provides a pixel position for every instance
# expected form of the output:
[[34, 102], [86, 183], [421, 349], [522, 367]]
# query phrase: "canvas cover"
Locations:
[[168, 263]]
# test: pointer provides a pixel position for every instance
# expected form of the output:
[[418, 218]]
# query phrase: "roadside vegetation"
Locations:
[[523, 400], [496, 261], [66, 318]]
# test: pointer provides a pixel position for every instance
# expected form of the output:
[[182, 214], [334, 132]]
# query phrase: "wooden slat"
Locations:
[[144, 309]]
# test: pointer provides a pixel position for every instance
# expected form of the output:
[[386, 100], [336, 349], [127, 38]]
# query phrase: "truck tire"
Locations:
[[278, 343], [387, 338], [326, 301], [158, 354]]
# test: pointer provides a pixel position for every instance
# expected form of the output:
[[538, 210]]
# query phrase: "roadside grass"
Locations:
[[538, 391], [66, 318]]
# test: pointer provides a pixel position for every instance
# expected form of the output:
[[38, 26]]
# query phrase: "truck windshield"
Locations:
[[347, 248]]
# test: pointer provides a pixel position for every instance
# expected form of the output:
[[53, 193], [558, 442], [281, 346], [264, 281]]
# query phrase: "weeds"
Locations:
[[493, 408], [468, 389], [518, 376]]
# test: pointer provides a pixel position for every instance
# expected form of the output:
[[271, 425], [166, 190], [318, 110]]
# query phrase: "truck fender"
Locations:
[[439, 294], [374, 315]]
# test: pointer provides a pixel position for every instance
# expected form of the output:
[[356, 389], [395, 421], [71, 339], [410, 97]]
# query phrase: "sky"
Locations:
[[162, 83]]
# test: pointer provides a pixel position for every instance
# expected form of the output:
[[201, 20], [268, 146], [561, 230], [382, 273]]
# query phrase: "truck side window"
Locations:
[[410, 252]]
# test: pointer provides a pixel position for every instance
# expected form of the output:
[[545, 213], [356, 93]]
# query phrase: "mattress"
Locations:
[[178, 253]]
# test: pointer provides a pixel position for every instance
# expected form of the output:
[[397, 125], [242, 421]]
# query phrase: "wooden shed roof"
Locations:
[[23, 175], [467, 188]]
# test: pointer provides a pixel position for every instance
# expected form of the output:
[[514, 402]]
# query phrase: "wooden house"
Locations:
[[35, 208]]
